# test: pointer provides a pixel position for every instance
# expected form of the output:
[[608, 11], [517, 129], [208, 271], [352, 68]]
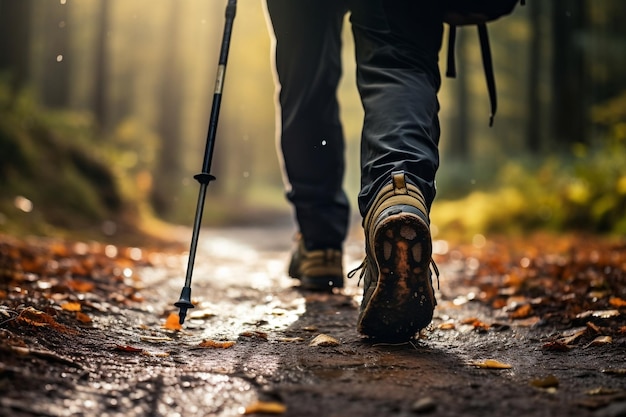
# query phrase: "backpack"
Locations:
[[477, 13]]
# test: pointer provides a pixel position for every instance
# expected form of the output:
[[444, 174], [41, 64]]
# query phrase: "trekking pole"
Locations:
[[204, 178]]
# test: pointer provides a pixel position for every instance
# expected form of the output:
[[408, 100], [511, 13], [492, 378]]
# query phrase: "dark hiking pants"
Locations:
[[397, 45]]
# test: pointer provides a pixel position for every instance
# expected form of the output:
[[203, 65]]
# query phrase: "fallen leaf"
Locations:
[[128, 348], [446, 326], [324, 340], [20, 350], [615, 371], [600, 341], [83, 318], [201, 314], [37, 318], [549, 381], [263, 407], [71, 306], [528, 322], [568, 340], [80, 285], [155, 339], [556, 346], [476, 323], [617, 302], [173, 322], [522, 312], [593, 327], [491, 364], [255, 333], [603, 314], [602, 391], [155, 354], [216, 344], [291, 339], [424, 405]]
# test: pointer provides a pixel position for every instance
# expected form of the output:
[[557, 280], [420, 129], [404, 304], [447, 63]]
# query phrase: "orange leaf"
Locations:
[[173, 322], [216, 344], [83, 318], [80, 286], [491, 364], [35, 317], [71, 306], [522, 312], [263, 407], [617, 302]]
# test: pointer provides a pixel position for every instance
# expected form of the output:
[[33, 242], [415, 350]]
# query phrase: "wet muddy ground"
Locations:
[[520, 330]]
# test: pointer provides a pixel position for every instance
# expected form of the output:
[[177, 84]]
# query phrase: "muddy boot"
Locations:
[[317, 270], [398, 298]]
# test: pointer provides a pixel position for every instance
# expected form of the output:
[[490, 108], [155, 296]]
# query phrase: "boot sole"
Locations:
[[403, 301]]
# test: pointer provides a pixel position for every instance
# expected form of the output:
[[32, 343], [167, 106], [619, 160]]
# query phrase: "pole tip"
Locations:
[[184, 304]]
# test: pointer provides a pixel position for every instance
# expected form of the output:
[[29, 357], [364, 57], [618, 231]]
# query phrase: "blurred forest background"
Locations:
[[104, 108]]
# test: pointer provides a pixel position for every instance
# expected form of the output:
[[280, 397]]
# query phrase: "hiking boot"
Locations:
[[318, 270], [398, 298]]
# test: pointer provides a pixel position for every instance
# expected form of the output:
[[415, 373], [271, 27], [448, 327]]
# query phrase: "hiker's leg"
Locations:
[[397, 48], [308, 66]]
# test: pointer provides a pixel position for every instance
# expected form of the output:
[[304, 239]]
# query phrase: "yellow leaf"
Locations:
[[568, 340], [548, 382], [155, 339], [155, 354], [600, 340], [324, 340], [173, 322], [216, 344], [491, 364], [262, 407], [291, 339], [446, 326], [71, 306]]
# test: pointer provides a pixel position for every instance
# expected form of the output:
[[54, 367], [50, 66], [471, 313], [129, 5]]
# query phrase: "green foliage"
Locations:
[[582, 191], [53, 175]]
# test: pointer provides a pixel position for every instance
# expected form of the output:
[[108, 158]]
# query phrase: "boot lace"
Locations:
[[363, 268]]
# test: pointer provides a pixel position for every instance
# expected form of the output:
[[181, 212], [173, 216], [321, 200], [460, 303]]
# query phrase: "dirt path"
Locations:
[[120, 360]]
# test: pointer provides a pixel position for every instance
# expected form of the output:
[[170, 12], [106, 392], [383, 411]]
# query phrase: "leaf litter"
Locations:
[[579, 290]]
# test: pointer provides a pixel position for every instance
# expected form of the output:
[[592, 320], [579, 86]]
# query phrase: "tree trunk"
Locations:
[[169, 170], [101, 81], [55, 74], [15, 36], [534, 138], [569, 97]]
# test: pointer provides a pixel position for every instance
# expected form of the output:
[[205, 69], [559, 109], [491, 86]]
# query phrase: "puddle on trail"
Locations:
[[153, 392]]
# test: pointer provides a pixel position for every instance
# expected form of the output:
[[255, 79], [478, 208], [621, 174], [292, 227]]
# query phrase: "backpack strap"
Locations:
[[451, 66], [485, 50]]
